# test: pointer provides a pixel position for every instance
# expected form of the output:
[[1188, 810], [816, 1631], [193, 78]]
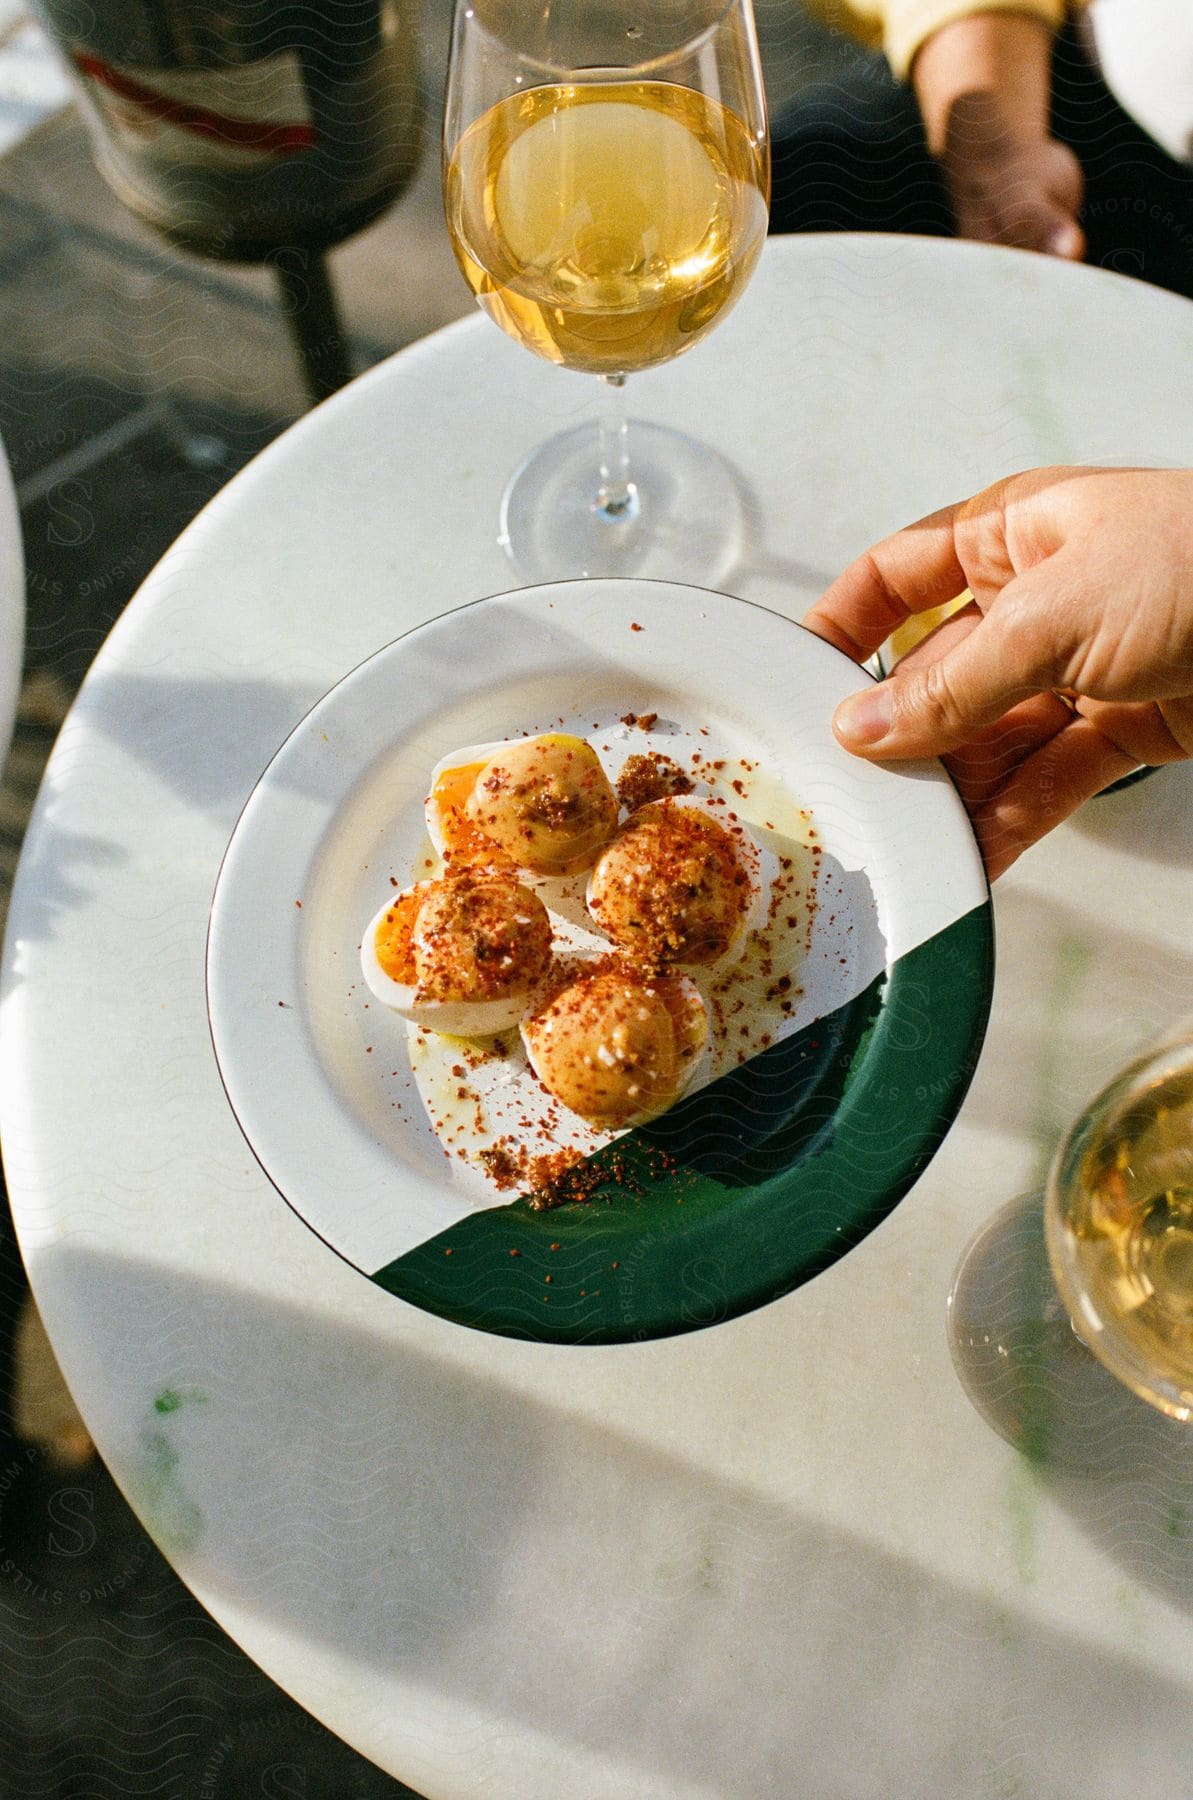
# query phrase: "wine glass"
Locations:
[[606, 188], [1118, 1221], [1093, 1277]]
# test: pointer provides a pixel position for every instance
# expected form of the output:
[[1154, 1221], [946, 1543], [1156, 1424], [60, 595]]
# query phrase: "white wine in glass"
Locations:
[[606, 187], [1118, 1217]]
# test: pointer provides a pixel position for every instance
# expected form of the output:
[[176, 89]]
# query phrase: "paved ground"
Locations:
[[133, 382]]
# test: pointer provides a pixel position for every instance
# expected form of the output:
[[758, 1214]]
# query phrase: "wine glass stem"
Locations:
[[617, 497]]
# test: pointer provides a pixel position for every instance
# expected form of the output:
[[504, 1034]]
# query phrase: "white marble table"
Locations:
[[783, 1555]]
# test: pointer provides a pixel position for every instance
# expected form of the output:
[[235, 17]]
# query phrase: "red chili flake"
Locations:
[[298, 904], [635, 627], [448, 1251]]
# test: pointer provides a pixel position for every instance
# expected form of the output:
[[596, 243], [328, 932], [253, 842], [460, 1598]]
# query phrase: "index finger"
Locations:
[[906, 573]]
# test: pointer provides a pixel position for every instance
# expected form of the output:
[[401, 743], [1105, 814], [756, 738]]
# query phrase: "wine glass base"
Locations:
[[1022, 1364], [686, 521]]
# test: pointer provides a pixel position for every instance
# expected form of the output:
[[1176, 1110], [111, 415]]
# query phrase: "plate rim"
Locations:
[[933, 1131]]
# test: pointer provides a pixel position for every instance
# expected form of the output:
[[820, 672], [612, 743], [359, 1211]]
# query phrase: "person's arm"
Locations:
[[1073, 665], [983, 84]]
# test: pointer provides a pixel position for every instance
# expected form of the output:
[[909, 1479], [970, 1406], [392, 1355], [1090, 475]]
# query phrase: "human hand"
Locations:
[[1007, 189], [984, 88], [1073, 664]]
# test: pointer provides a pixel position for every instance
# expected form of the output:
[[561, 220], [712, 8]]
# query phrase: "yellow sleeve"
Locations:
[[901, 26]]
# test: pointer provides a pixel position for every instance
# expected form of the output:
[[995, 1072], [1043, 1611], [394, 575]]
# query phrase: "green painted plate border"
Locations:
[[692, 1230]]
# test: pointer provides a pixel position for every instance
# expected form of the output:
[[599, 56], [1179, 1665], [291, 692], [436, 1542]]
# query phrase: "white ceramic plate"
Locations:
[[765, 1176]]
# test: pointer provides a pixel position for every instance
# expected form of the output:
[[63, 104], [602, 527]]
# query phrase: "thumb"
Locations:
[[1041, 205], [1063, 237], [1040, 224], [933, 707]]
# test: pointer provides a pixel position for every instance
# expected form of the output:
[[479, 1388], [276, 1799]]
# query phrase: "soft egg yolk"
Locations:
[[671, 887], [546, 802], [479, 937], [613, 1047], [463, 844], [392, 938]]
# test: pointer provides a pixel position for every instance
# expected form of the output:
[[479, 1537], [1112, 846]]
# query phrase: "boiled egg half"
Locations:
[[542, 805], [617, 1047], [464, 955], [681, 883]]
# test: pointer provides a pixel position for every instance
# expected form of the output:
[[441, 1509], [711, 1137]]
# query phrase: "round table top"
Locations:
[[784, 1553]]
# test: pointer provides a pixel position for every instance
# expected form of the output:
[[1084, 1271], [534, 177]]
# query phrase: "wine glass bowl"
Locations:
[[1118, 1216], [606, 188]]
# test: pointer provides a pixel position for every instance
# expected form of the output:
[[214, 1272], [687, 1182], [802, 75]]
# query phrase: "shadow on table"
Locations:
[[1120, 1467], [795, 583], [1153, 818], [1082, 988], [208, 736], [162, 723], [414, 1518], [1073, 1003], [116, 1684]]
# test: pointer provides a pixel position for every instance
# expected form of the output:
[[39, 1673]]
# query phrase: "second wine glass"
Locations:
[[1118, 1216], [606, 186]]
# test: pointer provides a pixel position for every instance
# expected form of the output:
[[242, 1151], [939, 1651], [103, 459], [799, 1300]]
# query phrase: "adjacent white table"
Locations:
[[12, 604], [782, 1556]]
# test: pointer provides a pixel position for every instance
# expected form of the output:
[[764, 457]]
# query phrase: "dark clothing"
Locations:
[[850, 155]]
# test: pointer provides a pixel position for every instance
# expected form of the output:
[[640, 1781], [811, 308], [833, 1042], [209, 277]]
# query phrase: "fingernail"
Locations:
[[865, 718], [1065, 241]]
